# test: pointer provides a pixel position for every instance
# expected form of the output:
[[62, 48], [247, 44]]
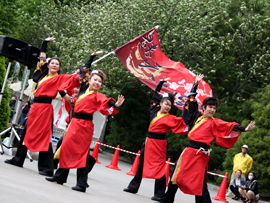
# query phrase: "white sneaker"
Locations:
[[228, 195]]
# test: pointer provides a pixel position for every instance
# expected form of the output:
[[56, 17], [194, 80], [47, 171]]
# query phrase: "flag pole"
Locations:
[[102, 57]]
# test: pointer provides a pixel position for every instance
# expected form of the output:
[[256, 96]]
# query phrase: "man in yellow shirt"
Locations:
[[243, 162]]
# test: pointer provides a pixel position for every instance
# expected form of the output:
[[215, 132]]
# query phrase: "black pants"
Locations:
[[234, 190], [56, 161], [45, 159], [169, 196], [82, 173], [160, 184]]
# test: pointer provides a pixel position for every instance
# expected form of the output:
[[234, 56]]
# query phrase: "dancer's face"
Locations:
[[95, 83], [165, 106], [54, 66], [209, 111]]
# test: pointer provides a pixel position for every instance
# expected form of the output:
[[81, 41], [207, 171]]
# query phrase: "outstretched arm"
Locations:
[[198, 79], [91, 58], [239, 128], [44, 47]]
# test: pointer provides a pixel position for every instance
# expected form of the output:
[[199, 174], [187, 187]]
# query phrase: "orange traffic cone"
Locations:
[[222, 190], [167, 170], [114, 161], [135, 165], [95, 152]]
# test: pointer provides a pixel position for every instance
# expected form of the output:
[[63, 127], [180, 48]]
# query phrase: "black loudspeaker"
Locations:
[[32, 55], [12, 48]]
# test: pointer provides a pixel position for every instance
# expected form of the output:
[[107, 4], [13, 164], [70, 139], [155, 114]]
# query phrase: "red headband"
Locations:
[[210, 104]]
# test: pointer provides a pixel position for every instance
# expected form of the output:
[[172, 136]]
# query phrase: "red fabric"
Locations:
[[154, 158], [40, 118], [192, 169], [79, 135], [155, 150], [144, 59], [163, 124], [215, 128]]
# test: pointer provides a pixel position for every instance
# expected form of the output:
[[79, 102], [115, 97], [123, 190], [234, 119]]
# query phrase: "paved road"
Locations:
[[25, 185]]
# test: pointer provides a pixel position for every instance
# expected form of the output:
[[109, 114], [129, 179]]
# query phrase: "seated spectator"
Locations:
[[250, 190], [237, 183]]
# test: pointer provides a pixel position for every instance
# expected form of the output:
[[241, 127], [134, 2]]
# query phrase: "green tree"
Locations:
[[129, 127], [4, 108], [258, 140]]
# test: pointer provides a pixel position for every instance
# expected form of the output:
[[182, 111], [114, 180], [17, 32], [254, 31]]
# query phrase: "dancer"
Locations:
[[38, 130], [75, 148], [70, 110], [153, 153], [191, 170]]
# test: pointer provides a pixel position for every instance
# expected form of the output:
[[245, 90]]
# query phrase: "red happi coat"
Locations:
[[155, 149], [75, 147], [39, 123], [189, 173]]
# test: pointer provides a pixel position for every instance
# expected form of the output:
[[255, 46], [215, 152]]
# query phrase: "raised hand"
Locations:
[[97, 52], [250, 126], [120, 100], [49, 39], [198, 78]]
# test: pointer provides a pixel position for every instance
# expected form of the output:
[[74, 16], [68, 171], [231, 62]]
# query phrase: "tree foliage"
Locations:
[[258, 139], [4, 107]]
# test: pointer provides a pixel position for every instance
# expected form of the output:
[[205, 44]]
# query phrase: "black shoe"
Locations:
[[79, 188], [155, 198], [53, 179], [9, 161], [44, 173], [129, 190]]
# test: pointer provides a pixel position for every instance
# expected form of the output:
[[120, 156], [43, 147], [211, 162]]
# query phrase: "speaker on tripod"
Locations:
[[12, 48], [19, 50]]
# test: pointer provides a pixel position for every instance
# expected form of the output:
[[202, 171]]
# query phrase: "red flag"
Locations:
[[144, 59], [60, 113]]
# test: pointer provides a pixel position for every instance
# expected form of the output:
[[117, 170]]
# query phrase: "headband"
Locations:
[[209, 104]]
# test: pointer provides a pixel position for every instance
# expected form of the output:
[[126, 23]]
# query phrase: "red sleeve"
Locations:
[[104, 107], [178, 125], [223, 131], [68, 82]]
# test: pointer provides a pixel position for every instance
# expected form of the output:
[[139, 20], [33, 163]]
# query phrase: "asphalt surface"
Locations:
[[25, 185]]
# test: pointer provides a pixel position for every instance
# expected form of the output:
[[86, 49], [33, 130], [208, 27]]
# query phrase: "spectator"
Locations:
[[250, 190], [237, 183], [25, 110], [243, 162]]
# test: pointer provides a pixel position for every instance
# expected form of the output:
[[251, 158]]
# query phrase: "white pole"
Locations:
[[102, 57]]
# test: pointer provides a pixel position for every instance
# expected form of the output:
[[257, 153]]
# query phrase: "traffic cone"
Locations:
[[222, 190], [114, 161], [135, 165], [95, 152], [167, 170]]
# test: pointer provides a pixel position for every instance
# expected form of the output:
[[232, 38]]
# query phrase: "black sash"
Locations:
[[45, 100], [84, 116], [197, 145], [158, 136]]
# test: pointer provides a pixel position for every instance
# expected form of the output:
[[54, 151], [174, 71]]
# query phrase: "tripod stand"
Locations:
[[12, 128]]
